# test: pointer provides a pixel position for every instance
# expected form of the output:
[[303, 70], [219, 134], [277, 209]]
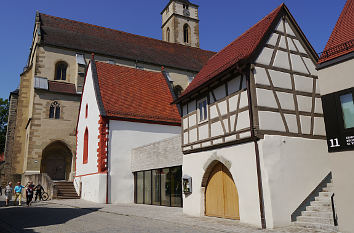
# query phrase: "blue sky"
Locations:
[[220, 23]]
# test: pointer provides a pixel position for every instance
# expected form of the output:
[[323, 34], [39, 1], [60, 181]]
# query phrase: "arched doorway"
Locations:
[[221, 196], [56, 161]]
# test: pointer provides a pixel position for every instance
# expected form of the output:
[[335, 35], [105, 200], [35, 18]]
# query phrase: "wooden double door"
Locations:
[[221, 197]]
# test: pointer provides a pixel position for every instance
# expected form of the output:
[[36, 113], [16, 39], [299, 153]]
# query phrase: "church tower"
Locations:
[[180, 23]]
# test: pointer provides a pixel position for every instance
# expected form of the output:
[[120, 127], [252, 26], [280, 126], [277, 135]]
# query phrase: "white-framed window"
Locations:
[[202, 109]]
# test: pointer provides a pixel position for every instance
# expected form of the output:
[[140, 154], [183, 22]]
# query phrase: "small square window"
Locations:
[[202, 110]]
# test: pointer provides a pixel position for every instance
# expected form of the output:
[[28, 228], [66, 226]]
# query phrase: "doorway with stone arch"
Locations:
[[56, 161], [221, 195]]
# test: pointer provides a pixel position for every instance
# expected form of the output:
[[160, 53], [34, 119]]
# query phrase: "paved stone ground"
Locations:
[[82, 216]]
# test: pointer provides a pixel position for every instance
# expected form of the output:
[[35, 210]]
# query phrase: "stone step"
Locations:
[[312, 219], [326, 194], [320, 203], [328, 189], [317, 226], [319, 208], [67, 197], [323, 214], [321, 198]]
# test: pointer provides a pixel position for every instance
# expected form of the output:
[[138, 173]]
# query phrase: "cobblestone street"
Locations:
[[81, 216]]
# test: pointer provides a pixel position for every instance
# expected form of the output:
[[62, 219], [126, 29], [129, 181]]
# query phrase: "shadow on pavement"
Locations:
[[22, 218]]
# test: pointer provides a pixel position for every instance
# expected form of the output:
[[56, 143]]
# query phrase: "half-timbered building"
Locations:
[[252, 127]]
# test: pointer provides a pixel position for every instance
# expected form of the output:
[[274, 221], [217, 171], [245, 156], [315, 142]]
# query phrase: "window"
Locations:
[[177, 90], [86, 111], [85, 152], [347, 106], [185, 6], [202, 109], [54, 110], [168, 35], [60, 70], [186, 33], [159, 187]]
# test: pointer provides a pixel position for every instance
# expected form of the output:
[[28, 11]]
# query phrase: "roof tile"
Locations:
[[90, 38], [239, 49], [341, 41], [61, 87], [136, 94]]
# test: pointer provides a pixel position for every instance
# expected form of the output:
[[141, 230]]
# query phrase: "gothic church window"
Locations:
[[86, 111], [168, 35], [186, 33], [54, 110], [85, 154], [60, 70]]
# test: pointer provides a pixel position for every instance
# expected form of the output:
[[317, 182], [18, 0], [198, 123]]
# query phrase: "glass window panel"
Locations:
[[140, 187], [176, 186], [348, 110], [156, 187], [51, 112], [147, 185], [57, 112], [165, 187]]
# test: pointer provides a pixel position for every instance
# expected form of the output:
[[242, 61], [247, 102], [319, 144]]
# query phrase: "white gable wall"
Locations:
[[86, 174], [123, 137], [287, 92]]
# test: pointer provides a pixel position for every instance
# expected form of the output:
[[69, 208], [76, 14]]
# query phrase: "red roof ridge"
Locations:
[[343, 32], [115, 30], [240, 49], [244, 33]]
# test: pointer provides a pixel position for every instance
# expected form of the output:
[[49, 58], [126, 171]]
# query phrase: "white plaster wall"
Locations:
[[93, 187], [343, 172], [291, 169], [124, 136], [330, 76], [243, 170], [91, 122]]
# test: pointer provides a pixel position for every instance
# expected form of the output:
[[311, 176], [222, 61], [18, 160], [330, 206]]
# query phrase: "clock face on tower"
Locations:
[[186, 12]]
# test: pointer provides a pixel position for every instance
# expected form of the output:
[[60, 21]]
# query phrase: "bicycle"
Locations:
[[44, 197]]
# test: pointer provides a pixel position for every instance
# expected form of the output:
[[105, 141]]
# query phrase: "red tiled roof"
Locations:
[[94, 39], [61, 87], [240, 49], [135, 94], [341, 41]]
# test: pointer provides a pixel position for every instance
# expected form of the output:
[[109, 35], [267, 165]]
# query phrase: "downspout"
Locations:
[[107, 155], [255, 140]]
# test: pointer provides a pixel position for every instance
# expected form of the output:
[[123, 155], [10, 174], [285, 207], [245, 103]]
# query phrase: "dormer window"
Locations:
[[60, 70], [202, 109]]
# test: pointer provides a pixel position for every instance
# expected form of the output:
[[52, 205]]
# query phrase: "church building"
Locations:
[[42, 143]]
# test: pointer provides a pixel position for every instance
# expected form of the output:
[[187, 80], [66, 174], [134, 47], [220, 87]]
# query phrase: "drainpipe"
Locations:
[[107, 155], [255, 140]]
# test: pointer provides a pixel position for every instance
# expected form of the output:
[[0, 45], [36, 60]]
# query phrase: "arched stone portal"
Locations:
[[221, 196], [56, 161]]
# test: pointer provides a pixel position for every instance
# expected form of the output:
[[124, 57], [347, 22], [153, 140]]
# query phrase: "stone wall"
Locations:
[[45, 130], [42, 179], [7, 168], [164, 153]]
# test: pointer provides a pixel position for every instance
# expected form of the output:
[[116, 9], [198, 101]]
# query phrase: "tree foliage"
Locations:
[[4, 112]]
